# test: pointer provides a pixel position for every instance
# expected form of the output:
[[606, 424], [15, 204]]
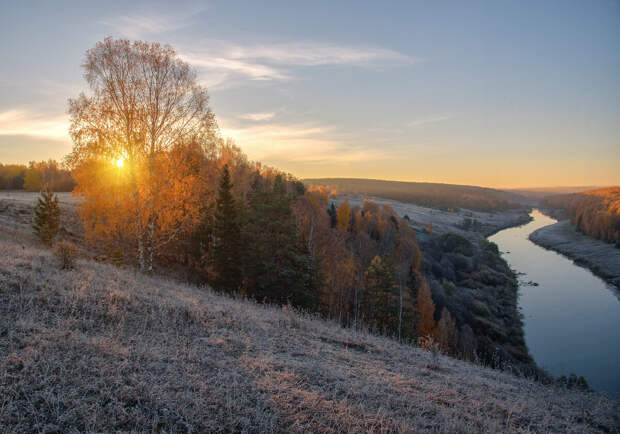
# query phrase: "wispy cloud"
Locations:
[[138, 25], [298, 143], [222, 61], [17, 122], [430, 120], [258, 117]]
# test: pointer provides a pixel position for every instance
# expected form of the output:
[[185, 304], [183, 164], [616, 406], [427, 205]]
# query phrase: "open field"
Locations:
[[103, 349], [447, 221], [17, 207], [600, 257]]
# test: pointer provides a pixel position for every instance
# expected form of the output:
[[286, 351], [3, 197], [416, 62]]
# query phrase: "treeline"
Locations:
[[35, 176], [595, 212], [443, 196]]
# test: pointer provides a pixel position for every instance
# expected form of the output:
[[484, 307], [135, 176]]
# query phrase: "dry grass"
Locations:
[[98, 348]]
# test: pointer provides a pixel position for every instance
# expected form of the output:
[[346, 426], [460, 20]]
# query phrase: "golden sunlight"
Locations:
[[120, 162]]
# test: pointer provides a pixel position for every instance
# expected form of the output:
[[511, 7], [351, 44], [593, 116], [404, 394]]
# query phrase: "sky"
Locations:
[[494, 93]]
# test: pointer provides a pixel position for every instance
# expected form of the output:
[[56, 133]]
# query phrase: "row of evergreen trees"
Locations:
[[256, 248]]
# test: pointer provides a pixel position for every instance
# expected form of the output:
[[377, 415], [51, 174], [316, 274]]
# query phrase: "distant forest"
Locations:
[[443, 196], [34, 176], [595, 212]]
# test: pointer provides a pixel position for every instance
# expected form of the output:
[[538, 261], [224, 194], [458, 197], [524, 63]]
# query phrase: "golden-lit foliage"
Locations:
[[594, 212], [144, 108], [343, 216], [425, 323]]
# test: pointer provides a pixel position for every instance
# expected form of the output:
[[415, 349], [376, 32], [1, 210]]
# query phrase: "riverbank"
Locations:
[[601, 258]]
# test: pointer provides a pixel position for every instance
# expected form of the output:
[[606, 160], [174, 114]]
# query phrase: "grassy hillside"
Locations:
[[424, 193], [103, 349]]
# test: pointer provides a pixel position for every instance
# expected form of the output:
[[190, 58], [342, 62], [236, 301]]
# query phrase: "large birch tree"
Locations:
[[144, 103]]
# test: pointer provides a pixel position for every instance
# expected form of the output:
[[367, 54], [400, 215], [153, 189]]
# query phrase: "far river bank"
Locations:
[[602, 258]]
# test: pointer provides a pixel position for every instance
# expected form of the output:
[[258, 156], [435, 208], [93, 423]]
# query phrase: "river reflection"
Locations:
[[572, 318]]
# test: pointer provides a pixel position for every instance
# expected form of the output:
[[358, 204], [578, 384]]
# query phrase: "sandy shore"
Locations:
[[601, 258]]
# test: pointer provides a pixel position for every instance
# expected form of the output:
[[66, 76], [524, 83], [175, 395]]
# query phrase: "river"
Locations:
[[572, 318]]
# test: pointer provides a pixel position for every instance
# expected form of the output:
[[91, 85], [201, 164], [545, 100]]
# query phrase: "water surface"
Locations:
[[572, 318]]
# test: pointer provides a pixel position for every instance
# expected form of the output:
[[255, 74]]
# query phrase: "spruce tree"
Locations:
[[381, 295], [332, 215], [47, 216], [278, 267], [227, 237]]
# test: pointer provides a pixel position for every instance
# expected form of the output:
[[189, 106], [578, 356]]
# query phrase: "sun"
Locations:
[[120, 162]]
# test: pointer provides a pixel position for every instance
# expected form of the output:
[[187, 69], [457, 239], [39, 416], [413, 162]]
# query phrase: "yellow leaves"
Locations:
[[343, 216], [426, 310]]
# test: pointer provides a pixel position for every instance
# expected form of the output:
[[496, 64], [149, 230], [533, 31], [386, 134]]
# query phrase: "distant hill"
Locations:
[[425, 193], [541, 192]]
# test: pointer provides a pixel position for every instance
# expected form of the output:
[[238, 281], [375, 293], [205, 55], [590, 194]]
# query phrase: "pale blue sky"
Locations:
[[496, 93]]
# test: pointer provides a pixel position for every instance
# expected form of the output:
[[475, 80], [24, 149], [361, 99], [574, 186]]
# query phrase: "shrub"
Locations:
[[66, 253], [429, 344], [456, 243]]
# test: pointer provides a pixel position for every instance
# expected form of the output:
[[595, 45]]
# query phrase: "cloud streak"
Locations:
[[16, 122], [138, 26], [224, 63], [221, 61], [432, 120], [258, 117], [288, 145]]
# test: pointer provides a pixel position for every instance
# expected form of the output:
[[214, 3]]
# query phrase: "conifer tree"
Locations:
[[227, 237], [381, 295], [278, 267], [332, 215], [47, 216]]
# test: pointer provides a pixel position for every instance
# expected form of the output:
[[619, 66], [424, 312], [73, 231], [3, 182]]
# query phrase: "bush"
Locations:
[[66, 253], [456, 243]]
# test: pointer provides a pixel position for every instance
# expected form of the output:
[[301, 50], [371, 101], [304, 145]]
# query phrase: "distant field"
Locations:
[[17, 209], [425, 194]]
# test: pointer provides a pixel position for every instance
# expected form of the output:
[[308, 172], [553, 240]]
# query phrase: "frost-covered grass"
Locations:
[[600, 257], [100, 348], [17, 209], [446, 221]]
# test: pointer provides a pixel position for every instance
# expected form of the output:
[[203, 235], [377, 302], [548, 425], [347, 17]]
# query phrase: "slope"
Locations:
[[100, 348]]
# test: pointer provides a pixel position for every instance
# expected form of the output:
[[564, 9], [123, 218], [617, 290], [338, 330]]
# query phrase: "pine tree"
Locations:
[[278, 267], [332, 215], [47, 216], [381, 296], [227, 237]]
